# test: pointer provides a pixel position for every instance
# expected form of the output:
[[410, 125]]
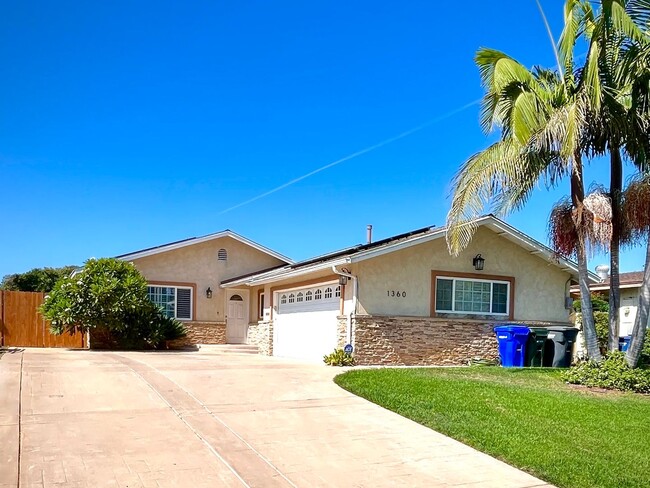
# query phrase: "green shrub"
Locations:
[[339, 358], [110, 296], [598, 304], [612, 373], [601, 320], [644, 360]]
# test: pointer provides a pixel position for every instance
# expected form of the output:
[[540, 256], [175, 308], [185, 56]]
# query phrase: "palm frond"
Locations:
[[484, 184]]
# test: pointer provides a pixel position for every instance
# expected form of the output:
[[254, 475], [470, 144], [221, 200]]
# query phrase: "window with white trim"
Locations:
[[292, 298], [260, 312], [328, 292], [318, 294], [175, 301], [299, 296], [283, 299], [337, 291], [470, 296], [308, 296]]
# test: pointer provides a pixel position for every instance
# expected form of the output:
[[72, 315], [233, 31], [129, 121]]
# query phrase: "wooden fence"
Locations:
[[22, 326]]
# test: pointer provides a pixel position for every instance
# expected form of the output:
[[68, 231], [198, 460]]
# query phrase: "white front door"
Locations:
[[237, 317]]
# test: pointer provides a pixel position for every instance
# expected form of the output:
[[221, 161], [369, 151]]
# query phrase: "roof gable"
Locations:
[[198, 240]]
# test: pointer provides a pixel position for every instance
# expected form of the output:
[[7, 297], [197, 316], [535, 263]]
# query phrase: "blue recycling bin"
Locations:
[[512, 344], [624, 343]]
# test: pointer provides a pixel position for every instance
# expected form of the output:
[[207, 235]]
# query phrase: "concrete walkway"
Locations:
[[207, 419]]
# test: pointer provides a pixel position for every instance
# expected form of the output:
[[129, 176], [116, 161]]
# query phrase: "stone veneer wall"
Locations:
[[388, 340], [341, 331], [197, 333], [202, 333], [260, 334]]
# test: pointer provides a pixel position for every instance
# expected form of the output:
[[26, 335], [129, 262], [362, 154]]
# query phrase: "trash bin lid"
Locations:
[[513, 329], [561, 328], [538, 331]]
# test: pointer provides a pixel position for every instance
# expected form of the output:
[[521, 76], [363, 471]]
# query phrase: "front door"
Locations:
[[237, 318]]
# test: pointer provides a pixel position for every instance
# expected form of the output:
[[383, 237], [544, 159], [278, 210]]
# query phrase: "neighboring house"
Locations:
[[630, 286], [405, 300], [184, 279]]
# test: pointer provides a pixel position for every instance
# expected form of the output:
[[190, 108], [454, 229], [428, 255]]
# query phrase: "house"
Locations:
[[630, 286], [184, 279], [405, 300]]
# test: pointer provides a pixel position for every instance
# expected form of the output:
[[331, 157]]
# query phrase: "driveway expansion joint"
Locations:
[[246, 463]]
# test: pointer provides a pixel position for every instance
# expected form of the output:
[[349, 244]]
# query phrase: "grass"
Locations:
[[526, 417]]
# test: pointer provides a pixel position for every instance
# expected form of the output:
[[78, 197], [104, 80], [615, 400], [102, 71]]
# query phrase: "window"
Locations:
[[260, 304], [222, 255], [175, 301], [313, 298], [482, 297]]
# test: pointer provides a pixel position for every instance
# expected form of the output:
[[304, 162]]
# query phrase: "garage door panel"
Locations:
[[306, 330]]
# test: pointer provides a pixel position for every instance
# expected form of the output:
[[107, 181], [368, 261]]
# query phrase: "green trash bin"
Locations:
[[535, 346], [558, 349]]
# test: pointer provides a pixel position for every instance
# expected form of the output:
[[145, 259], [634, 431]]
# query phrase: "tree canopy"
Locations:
[[109, 295], [37, 279]]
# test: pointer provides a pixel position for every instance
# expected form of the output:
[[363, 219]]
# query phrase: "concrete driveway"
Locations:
[[212, 419]]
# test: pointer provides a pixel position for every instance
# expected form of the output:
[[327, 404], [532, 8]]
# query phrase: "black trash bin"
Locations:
[[558, 348], [535, 346]]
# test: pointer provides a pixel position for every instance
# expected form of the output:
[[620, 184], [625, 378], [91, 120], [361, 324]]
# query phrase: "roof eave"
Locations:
[[198, 240], [281, 276]]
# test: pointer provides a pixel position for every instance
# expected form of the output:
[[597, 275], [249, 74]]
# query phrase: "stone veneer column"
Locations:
[[341, 331], [260, 334]]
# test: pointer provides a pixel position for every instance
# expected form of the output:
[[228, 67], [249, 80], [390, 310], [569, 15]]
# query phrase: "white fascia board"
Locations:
[[600, 287], [280, 275], [504, 230], [198, 240], [388, 248]]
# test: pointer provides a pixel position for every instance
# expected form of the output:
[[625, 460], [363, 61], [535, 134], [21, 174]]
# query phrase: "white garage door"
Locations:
[[304, 327]]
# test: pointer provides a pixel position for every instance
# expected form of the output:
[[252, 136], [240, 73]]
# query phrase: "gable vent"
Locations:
[[222, 255]]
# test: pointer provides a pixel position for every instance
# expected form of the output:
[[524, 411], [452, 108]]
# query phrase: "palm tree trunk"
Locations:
[[643, 313], [615, 190], [588, 325]]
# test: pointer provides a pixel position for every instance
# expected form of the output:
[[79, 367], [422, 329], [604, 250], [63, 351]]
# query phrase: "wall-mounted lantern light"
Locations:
[[208, 292], [343, 280], [478, 262]]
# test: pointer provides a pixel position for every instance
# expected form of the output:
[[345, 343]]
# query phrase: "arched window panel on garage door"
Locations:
[[315, 298]]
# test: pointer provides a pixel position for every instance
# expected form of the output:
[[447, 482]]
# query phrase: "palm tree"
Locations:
[[614, 35], [541, 116], [636, 209]]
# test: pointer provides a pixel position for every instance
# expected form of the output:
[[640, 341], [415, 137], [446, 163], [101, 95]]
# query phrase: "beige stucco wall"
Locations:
[[539, 285], [198, 264]]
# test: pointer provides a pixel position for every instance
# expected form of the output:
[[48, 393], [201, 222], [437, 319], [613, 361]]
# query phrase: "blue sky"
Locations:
[[125, 125]]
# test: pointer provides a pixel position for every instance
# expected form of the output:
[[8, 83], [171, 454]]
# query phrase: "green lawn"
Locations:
[[527, 417]]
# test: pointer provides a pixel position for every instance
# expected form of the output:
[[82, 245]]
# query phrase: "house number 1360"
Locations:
[[398, 294]]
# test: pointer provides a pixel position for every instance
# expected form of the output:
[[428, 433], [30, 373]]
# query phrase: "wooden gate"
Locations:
[[22, 326]]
